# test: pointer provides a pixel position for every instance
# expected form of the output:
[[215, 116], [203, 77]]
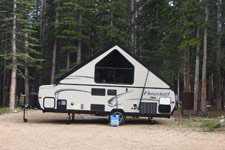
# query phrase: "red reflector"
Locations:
[[172, 102]]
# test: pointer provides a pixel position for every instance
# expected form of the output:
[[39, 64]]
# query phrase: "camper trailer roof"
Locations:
[[78, 66]]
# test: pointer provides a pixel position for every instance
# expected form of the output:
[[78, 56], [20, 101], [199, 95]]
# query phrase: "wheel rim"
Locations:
[[120, 115]]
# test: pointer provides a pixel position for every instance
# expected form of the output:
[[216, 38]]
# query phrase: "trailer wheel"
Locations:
[[122, 116]]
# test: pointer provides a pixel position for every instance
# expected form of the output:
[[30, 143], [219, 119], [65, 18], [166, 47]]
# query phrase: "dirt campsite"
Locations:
[[48, 131]]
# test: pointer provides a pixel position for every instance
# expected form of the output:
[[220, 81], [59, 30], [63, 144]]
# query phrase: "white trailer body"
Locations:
[[113, 80]]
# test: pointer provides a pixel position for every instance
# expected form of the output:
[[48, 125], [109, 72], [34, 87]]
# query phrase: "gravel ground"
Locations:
[[45, 131]]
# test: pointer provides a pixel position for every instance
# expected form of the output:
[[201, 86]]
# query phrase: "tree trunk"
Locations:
[[14, 61], [188, 70], [209, 90], [132, 27], [111, 19], [138, 31], [204, 91], [185, 78], [157, 12], [223, 99], [4, 74], [26, 70], [178, 84], [43, 24], [223, 94], [111, 14], [37, 6], [212, 88], [80, 33], [196, 86], [68, 60], [54, 48], [218, 59], [53, 62], [4, 84], [140, 46], [42, 21], [1, 88]]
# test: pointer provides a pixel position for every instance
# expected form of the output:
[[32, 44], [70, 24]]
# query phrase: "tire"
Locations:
[[122, 116]]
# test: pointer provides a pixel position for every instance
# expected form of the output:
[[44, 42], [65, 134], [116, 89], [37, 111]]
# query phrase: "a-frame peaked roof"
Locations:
[[57, 80]]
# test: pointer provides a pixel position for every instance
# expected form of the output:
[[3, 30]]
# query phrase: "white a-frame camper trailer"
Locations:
[[113, 81]]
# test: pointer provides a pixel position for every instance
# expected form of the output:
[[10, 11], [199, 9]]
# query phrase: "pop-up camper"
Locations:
[[112, 81]]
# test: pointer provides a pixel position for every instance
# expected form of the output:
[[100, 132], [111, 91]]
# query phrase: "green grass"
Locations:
[[4, 110], [208, 124]]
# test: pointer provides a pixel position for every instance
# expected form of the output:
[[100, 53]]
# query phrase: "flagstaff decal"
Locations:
[[161, 94]]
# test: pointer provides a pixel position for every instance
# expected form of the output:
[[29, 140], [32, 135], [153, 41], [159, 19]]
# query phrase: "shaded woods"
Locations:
[[183, 41]]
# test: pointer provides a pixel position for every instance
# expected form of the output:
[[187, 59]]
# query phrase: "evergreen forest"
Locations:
[[181, 40]]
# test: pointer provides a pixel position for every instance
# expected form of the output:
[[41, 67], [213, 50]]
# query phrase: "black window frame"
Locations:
[[98, 91], [115, 69]]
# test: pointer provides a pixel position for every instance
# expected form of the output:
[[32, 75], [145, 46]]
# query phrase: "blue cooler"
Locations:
[[114, 119]]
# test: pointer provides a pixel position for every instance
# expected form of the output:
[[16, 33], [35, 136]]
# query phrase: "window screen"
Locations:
[[114, 69]]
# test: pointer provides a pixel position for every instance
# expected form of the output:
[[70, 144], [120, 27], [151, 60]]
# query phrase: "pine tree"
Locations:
[[24, 52], [191, 17], [80, 19], [219, 58], [196, 84], [198, 23], [204, 85], [160, 36], [5, 44], [116, 30], [29, 56], [132, 27], [68, 25], [14, 61], [55, 46], [152, 32]]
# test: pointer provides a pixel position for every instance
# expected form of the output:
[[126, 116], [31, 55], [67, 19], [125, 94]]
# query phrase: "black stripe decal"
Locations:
[[114, 86], [63, 90]]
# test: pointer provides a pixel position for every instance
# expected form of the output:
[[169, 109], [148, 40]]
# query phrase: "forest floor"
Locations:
[[48, 131]]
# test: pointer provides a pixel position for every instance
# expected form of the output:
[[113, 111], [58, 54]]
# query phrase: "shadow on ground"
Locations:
[[101, 121]]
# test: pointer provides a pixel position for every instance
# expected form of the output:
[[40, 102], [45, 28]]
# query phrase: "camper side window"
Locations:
[[114, 69], [98, 92]]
